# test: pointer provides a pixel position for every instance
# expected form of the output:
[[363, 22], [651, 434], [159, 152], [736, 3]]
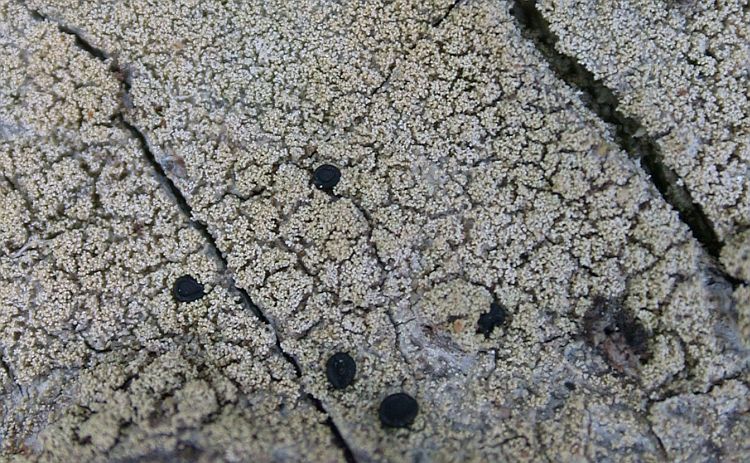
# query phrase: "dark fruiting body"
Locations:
[[340, 370], [187, 289], [492, 319], [398, 410], [326, 177]]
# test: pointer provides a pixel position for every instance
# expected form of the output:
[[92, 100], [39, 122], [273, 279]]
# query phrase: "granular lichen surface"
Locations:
[[370, 231]]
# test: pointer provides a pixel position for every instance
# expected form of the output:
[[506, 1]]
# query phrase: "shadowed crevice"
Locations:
[[629, 133], [84, 44], [123, 75], [437, 22], [244, 297], [338, 438]]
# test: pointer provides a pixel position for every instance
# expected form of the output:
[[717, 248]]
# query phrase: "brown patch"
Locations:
[[175, 165], [310, 149], [616, 334], [455, 323]]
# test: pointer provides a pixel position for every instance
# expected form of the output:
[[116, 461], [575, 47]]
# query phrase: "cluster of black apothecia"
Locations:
[[396, 410]]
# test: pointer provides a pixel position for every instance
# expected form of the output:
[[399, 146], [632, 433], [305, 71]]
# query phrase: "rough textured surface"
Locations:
[[99, 362], [471, 176], [682, 69]]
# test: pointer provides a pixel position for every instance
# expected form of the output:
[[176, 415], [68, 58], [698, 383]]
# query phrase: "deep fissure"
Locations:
[[182, 203], [123, 76], [437, 22], [628, 130]]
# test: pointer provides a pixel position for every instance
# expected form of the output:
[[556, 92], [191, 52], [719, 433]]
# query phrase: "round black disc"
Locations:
[[340, 370], [398, 410], [187, 289], [326, 177]]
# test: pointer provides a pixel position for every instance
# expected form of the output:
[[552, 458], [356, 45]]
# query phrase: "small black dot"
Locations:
[[187, 289], [340, 370], [326, 177], [570, 386], [492, 319], [398, 410]]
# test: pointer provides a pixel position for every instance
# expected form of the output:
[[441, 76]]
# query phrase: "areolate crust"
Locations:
[[404, 182]]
